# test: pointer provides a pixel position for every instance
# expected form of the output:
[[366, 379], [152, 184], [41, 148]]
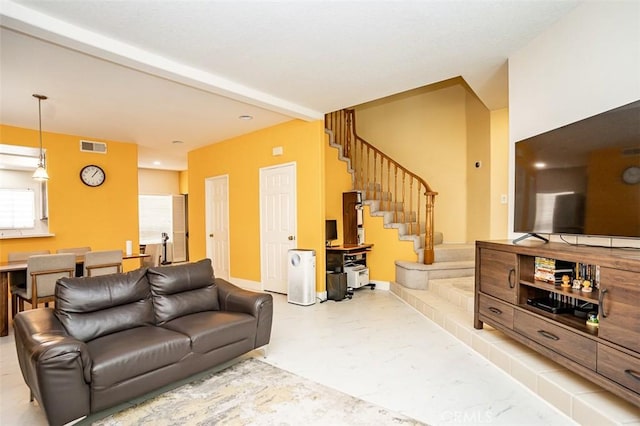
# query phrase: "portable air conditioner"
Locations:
[[301, 279]]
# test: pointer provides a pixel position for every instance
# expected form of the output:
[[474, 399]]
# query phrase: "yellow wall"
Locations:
[[241, 159], [387, 248], [184, 182], [425, 131], [478, 178], [103, 217], [499, 174]]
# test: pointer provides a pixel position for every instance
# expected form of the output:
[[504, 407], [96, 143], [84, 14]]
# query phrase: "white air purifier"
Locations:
[[301, 277]]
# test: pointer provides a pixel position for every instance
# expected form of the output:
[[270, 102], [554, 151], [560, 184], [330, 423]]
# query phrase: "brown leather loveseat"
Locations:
[[115, 337]]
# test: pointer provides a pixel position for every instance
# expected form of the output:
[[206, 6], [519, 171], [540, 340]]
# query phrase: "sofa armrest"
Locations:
[[260, 305], [55, 366]]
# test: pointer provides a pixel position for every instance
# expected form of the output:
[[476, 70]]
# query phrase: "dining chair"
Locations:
[[42, 273], [78, 251], [19, 278], [102, 262], [155, 252]]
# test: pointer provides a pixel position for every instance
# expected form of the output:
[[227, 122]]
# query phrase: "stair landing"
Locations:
[[451, 261]]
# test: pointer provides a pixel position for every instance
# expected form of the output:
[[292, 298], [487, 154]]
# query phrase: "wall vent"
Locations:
[[90, 146]]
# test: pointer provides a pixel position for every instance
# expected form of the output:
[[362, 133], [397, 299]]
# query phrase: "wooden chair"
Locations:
[[42, 273], [78, 251], [102, 262], [18, 279], [155, 253]]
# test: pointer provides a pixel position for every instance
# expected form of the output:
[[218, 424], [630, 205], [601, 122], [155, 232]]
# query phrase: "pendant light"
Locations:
[[41, 172]]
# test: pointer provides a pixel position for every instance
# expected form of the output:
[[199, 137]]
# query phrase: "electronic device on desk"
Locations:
[[357, 276], [331, 231], [550, 305]]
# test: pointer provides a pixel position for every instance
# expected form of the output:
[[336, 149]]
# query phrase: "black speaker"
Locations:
[[336, 285]]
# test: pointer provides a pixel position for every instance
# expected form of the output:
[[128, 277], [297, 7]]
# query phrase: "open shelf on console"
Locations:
[[570, 292], [576, 323]]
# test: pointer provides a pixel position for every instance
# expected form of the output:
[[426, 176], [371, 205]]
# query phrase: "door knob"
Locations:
[[291, 238], [210, 235]]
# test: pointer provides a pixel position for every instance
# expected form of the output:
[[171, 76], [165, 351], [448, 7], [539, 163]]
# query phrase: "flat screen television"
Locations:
[[582, 178], [331, 231]]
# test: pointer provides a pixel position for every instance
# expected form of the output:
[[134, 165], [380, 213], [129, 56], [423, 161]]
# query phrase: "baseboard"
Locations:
[[246, 284], [381, 285]]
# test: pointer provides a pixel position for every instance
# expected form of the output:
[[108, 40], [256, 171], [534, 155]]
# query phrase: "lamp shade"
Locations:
[[40, 173]]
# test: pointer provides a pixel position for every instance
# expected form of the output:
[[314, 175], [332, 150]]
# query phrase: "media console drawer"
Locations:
[[619, 366], [497, 311], [572, 345]]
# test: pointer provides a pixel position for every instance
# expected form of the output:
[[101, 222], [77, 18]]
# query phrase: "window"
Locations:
[[160, 214], [17, 209], [23, 200], [156, 217]]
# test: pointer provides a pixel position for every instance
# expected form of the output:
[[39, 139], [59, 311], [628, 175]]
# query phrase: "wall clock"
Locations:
[[631, 175], [92, 175]]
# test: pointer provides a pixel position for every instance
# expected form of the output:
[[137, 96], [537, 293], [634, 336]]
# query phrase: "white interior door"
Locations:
[[217, 224], [278, 214]]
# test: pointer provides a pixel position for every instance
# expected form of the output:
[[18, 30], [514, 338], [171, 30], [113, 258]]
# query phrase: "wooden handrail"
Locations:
[[383, 179]]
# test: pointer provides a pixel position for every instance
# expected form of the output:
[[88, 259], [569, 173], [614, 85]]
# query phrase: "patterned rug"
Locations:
[[253, 392]]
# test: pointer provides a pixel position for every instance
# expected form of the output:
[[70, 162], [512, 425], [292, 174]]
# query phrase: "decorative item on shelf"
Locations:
[[566, 281], [586, 286], [577, 284], [40, 173], [552, 270], [592, 319]]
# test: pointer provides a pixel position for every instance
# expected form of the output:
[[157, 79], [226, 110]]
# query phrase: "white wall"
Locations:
[[158, 182], [585, 64]]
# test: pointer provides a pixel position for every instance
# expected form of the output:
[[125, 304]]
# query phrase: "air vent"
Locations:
[[90, 146]]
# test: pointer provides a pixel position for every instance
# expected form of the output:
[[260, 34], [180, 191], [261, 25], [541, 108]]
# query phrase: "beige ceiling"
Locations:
[[155, 72]]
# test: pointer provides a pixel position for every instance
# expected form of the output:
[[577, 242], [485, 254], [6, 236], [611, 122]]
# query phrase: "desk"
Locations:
[[350, 259], [338, 256], [6, 267]]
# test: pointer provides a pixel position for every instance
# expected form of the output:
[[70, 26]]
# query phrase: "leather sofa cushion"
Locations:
[[214, 329], [130, 353], [91, 307], [182, 290]]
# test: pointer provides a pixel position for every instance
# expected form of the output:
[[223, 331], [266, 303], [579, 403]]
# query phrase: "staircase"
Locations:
[[402, 197], [405, 203]]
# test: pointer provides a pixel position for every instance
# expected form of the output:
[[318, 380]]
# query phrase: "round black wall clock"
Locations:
[[92, 175]]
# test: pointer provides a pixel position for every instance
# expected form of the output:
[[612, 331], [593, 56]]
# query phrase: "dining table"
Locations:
[[7, 267]]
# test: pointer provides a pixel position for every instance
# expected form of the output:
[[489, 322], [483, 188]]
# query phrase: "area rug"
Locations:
[[253, 392]]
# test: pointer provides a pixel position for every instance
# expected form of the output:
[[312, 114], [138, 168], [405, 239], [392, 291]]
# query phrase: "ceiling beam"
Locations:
[[39, 25]]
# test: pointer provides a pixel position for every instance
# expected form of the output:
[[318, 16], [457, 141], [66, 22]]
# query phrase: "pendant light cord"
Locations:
[[40, 99]]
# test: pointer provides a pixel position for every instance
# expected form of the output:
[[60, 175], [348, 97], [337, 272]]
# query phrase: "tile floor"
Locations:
[[375, 347]]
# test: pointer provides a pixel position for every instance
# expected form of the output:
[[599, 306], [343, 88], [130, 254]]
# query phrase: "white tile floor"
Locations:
[[374, 347]]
